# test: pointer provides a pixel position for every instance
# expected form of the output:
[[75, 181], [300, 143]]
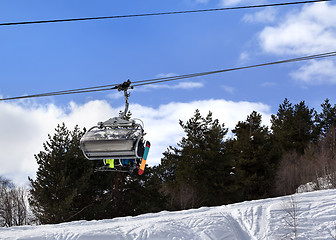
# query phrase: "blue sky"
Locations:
[[59, 56]]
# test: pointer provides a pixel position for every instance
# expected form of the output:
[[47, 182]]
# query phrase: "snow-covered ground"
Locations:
[[261, 219]]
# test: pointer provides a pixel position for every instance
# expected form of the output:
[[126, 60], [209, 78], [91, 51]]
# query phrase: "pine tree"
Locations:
[[293, 126], [295, 132], [140, 194], [217, 182], [62, 176], [197, 173], [254, 158], [327, 118], [282, 125], [326, 123]]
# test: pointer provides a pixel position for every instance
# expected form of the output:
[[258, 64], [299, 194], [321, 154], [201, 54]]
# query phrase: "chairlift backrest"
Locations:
[[114, 139]]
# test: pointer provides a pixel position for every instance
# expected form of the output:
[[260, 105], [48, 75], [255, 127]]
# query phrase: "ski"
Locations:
[[144, 159]]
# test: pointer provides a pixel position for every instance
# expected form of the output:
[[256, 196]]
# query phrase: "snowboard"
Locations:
[[144, 159]]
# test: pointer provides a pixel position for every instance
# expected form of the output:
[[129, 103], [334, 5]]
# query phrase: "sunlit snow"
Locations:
[[261, 219]]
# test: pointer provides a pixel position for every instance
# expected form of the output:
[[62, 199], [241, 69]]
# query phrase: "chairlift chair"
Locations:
[[117, 138]]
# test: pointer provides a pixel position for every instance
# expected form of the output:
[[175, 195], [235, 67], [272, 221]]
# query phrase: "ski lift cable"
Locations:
[[172, 78], [162, 13], [179, 77], [67, 92]]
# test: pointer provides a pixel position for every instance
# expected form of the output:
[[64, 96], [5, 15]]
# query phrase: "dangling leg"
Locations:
[[110, 162], [132, 166], [125, 162]]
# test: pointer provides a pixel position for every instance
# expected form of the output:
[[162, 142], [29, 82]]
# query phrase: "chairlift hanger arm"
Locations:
[[124, 87]]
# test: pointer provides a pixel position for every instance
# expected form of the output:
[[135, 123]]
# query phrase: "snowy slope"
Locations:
[[261, 219]]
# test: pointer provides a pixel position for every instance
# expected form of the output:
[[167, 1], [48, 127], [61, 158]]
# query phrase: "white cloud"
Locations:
[[115, 95], [228, 89], [244, 57], [187, 85], [25, 128], [312, 30], [317, 72], [181, 85], [266, 15], [166, 75], [225, 3]]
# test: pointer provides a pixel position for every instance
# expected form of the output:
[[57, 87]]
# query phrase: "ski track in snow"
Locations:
[[260, 219]]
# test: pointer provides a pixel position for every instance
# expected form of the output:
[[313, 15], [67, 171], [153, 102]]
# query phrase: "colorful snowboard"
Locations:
[[144, 159]]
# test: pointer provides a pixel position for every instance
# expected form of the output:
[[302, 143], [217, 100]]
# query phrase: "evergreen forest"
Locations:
[[209, 166]]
